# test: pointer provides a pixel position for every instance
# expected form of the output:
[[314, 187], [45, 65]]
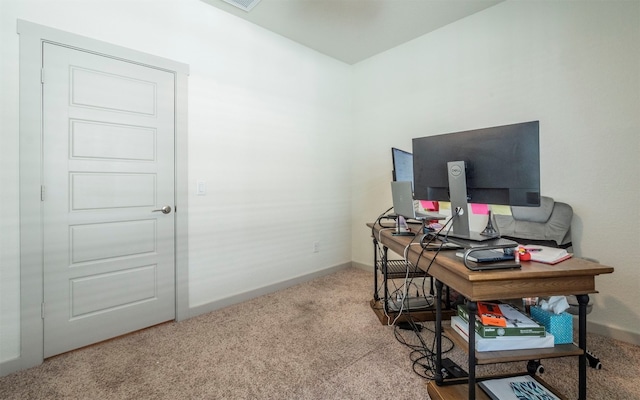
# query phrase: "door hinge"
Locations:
[[42, 192], [42, 310], [41, 75]]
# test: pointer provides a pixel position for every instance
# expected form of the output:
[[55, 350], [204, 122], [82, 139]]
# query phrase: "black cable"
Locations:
[[421, 355], [377, 222], [378, 248], [435, 254], [408, 282], [424, 356], [435, 235]]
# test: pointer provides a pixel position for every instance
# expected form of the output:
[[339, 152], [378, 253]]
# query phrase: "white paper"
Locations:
[[546, 254], [555, 304]]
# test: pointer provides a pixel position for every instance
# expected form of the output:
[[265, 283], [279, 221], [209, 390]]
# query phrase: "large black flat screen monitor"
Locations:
[[498, 165]]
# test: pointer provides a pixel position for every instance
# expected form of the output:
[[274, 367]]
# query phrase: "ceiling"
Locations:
[[353, 30]]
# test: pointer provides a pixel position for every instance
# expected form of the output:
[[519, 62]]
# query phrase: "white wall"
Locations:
[[575, 67], [269, 133]]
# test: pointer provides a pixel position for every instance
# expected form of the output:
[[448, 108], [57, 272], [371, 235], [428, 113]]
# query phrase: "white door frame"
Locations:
[[31, 231]]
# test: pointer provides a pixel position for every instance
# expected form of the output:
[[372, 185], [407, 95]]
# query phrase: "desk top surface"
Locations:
[[572, 276]]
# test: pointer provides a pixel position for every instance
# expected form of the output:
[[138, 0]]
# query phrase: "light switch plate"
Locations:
[[201, 188]]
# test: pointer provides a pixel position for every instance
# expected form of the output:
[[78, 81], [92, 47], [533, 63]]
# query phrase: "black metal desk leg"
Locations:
[[385, 260], [472, 307], [376, 296], [583, 300], [437, 376]]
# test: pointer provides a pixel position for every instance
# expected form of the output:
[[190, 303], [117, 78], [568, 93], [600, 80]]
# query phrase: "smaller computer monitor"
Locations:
[[402, 165]]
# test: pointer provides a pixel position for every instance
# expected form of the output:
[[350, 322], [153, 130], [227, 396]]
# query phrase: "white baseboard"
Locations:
[[366, 267], [14, 365], [228, 301], [613, 333]]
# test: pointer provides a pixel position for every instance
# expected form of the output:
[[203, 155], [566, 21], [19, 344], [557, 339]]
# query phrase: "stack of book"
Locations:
[[517, 333]]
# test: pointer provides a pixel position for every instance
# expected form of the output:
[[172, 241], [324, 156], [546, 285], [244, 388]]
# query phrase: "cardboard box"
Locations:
[[559, 325]]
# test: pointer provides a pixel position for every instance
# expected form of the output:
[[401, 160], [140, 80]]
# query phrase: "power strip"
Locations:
[[451, 369], [410, 303]]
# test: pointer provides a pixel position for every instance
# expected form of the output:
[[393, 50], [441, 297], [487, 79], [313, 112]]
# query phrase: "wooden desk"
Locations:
[[575, 276]]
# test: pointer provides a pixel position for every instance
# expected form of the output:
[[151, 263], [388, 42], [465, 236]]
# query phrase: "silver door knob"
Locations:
[[165, 210]]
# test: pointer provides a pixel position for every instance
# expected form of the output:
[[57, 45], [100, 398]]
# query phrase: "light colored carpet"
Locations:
[[317, 340]]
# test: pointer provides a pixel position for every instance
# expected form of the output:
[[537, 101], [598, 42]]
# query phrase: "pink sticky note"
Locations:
[[481, 209], [429, 205]]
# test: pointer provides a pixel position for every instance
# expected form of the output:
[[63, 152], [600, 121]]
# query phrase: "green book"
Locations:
[[518, 324]]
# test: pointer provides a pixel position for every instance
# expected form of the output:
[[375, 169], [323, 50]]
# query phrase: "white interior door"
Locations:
[[108, 159]]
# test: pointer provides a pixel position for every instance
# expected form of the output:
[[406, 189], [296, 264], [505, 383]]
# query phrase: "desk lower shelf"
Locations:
[[427, 314], [397, 269], [461, 390], [494, 357]]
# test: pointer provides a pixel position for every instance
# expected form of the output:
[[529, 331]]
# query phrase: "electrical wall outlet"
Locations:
[[316, 247]]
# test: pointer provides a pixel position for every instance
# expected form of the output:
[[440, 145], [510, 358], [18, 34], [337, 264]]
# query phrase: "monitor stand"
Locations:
[[460, 206], [401, 227], [489, 230]]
